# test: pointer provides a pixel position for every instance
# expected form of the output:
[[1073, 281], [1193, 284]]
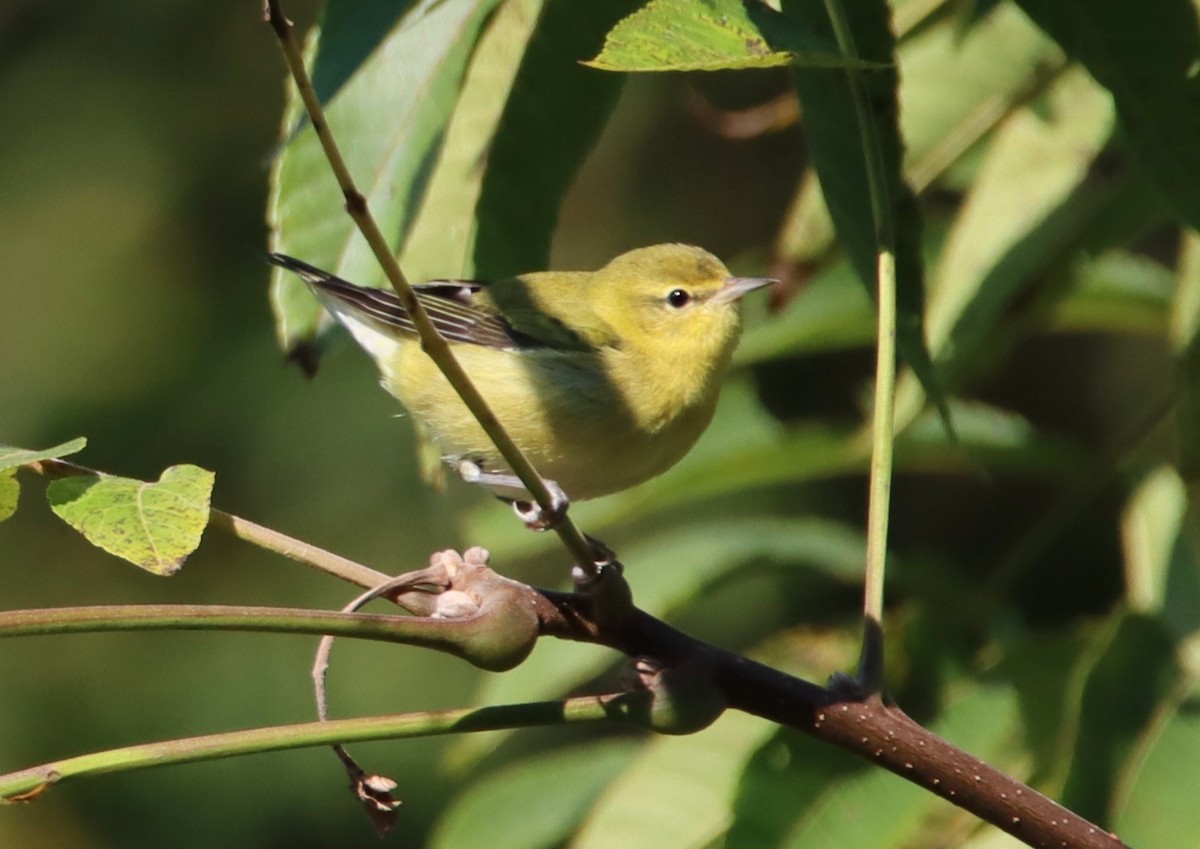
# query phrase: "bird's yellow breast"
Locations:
[[595, 423]]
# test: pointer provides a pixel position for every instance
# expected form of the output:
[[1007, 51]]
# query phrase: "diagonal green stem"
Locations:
[[879, 503], [303, 735], [432, 342]]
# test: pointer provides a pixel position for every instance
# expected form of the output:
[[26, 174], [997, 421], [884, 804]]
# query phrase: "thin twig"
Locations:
[[266, 538], [431, 341], [879, 500], [27, 784]]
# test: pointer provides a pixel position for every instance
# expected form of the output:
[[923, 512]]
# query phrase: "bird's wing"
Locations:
[[449, 304]]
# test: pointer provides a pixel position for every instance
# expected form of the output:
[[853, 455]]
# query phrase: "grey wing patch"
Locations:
[[448, 303]]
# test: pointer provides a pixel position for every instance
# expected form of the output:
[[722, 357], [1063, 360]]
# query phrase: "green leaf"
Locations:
[[11, 457], [710, 35], [1048, 669], [442, 241], [955, 84], [1150, 526], [1115, 292], [1017, 215], [1158, 806], [1145, 54], [152, 525], [553, 116], [663, 586], [834, 799], [1120, 700], [678, 793], [833, 313], [1185, 309], [670, 570], [1185, 339], [388, 118], [535, 802], [835, 142], [349, 34], [10, 493]]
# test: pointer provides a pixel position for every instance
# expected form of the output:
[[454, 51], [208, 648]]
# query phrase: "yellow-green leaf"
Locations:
[[10, 491], [152, 525], [11, 457], [710, 35]]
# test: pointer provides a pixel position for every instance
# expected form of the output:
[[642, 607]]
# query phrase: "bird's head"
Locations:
[[678, 299]]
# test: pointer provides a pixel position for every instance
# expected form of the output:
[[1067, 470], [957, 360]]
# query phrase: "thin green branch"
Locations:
[[414, 630], [296, 549], [266, 538], [30, 782], [879, 501], [431, 341]]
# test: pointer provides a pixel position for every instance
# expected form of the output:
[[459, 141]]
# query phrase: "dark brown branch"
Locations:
[[867, 726]]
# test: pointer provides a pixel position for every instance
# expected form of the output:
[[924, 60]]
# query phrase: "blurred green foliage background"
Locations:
[[134, 164]]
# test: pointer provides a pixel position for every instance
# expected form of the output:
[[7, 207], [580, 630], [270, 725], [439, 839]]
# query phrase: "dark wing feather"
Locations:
[[448, 303]]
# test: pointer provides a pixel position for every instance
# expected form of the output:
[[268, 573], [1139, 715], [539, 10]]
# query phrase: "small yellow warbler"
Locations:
[[603, 378]]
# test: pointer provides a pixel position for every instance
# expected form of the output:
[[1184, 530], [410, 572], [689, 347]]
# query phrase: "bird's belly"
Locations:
[[575, 427]]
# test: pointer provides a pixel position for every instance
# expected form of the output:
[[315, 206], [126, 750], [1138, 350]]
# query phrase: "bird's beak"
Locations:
[[735, 287]]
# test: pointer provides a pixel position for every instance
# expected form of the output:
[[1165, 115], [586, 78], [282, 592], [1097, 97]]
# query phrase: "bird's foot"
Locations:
[[539, 518], [535, 516]]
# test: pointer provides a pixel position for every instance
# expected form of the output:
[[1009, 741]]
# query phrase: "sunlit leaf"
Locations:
[[388, 118], [832, 313], [954, 87], [152, 525], [668, 572], [442, 241], [1121, 698], [535, 803], [1116, 292], [1145, 54], [709, 35], [1007, 227], [1150, 527], [1158, 803], [553, 117], [1046, 670], [678, 792], [10, 493], [11, 457], [956, 83], [1185, 338], [1185, 308], [349, 33], [835, 143], [836, 800]]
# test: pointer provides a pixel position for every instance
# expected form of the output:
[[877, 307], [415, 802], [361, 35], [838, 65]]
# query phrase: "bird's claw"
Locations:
[[538, 518], [535, 516]]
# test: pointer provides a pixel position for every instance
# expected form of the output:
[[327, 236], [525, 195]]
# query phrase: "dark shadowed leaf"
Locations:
[[835, 141], [1120, 700], [551, 120]]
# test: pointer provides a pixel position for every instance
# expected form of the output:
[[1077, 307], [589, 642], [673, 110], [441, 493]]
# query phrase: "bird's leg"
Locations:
[[537, 518], [533, 515]]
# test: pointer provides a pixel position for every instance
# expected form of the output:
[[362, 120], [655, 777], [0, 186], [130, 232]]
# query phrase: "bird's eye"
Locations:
[[679, 298]]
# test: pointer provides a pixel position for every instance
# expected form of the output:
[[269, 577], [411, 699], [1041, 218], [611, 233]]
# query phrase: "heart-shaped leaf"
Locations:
[[152, 525]]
